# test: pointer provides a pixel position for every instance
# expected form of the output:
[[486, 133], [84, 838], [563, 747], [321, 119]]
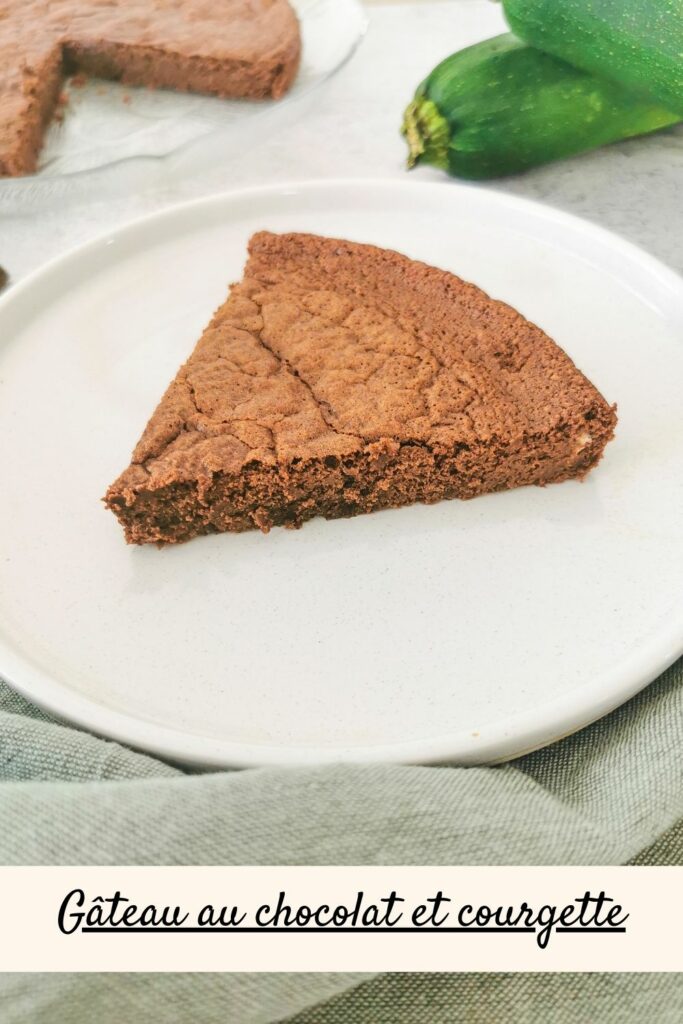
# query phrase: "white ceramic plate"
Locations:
[[465, 631]]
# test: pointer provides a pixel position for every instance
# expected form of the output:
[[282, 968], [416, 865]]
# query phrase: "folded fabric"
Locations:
[[506, 999], [341, 998], [611, 794], [603, 796]]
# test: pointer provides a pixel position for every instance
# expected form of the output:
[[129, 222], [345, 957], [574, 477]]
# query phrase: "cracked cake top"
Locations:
[[328, 346]]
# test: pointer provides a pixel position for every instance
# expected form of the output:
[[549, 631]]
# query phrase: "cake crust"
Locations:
[[339, 378], [229, 48]]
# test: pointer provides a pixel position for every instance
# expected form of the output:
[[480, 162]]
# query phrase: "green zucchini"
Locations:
[[638, 43], [500, 107]]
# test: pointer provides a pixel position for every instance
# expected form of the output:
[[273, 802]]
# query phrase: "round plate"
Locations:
[[465, 631]]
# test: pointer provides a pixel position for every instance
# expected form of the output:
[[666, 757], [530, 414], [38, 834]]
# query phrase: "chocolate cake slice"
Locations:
[[230, 48], [341, 378]]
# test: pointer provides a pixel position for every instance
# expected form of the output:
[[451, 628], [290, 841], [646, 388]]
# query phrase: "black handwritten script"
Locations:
[[98, 914]]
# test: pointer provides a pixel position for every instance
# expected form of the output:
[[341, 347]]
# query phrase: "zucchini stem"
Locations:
[[426, 132]]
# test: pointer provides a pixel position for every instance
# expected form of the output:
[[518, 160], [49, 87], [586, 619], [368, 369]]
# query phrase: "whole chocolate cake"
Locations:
[[229, 48]]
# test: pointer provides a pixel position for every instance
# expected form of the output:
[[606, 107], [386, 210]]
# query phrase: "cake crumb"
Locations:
[[62, 101]]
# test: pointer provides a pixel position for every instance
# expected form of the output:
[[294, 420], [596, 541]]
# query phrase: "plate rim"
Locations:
[[520, 734]]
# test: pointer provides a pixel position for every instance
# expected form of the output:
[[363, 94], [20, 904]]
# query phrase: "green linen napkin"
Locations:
[[342, 999], [603, 796], [611, 794]]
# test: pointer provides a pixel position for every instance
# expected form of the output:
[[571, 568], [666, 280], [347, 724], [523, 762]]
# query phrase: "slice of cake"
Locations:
[[341, 378], [229, 48]]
